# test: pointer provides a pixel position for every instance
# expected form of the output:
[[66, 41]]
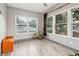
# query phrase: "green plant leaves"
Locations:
[[37, 35]]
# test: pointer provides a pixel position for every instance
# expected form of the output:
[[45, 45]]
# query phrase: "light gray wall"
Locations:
[[11, 13], [65, 40], [2, 22]]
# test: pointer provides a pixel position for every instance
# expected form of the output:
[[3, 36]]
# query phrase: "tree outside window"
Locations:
[[75, 23], [49, 25], [61, 24]]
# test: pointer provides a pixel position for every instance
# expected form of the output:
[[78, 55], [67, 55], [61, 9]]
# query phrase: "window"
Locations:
[[21, 24], [61, 24], [32, 24], [49, 25], [26, 24], [75, 22]]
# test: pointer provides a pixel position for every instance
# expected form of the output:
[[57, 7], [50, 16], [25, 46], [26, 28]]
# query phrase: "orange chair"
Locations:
[[7, 44]]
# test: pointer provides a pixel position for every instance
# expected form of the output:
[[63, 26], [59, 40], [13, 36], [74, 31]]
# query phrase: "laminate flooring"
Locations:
[[35, 47]]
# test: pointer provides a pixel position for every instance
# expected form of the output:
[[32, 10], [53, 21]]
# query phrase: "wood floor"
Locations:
[[35, 47]]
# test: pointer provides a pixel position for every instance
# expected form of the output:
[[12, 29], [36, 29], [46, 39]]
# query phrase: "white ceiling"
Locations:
[[35, 7]]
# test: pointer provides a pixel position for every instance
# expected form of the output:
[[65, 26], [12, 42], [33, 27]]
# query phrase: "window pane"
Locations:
[[21, 20], [24, 24], [49, 25], [32, 25], [75, 24], [61, 29], [61, 18], [21, 24], [21, 29], [61, 24]]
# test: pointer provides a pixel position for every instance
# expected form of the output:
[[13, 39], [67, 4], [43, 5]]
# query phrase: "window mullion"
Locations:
[[36, 24], [54, 24], [27, 24], [69, 28]]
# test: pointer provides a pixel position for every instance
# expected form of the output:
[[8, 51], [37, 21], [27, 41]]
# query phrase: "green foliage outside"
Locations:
[[49, 25], [75, 14], [61, 23]]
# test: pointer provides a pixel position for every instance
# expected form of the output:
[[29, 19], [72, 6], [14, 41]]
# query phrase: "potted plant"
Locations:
[[38, 35], [75, 54]]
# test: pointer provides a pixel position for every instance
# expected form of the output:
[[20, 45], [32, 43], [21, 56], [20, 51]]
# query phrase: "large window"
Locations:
[[61, 24], [66, 23], [49, 24], [26, 24], [75, 22]]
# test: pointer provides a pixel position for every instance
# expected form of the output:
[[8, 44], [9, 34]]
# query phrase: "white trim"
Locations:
[[65, 11], [60, 12], [54, 21], [67, 36], [70, 34]]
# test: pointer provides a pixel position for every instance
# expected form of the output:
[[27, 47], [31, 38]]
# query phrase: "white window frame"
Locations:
[[36, 25], [69, 23], [76, 6], [27, 25], [64, 11]]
